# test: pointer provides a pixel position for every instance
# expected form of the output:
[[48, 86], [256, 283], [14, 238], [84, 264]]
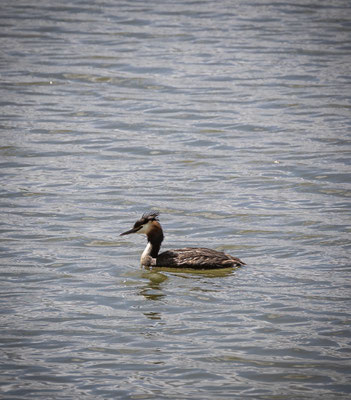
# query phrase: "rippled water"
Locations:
[[233, 119]]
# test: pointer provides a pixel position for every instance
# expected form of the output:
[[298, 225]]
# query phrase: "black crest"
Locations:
[[146, 217], [150, 216]]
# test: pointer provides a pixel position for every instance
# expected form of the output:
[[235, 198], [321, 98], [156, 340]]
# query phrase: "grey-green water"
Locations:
[[233, 119]]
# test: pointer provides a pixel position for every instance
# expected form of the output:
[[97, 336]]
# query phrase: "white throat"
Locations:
[[146, 259]]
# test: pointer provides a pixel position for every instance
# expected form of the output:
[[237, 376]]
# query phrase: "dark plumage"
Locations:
[[197, 257]]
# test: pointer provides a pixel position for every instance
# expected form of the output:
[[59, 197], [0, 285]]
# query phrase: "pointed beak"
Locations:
[[133, 230]]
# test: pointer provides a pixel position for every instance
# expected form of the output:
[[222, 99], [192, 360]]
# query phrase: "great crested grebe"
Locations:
[[188, 257]]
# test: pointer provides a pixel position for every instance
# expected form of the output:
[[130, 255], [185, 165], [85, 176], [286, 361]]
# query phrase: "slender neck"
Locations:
[[155, 238]]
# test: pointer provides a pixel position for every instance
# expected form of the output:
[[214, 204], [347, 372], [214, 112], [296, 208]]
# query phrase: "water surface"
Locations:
[[232, 119]]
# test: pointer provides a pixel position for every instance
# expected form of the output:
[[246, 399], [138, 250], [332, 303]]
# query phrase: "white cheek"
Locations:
[[145, 229]]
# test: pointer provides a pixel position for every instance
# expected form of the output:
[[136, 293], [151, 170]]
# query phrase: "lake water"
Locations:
[[232, 118]]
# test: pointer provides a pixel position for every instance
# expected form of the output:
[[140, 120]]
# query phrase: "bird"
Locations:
[[186, 258]]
